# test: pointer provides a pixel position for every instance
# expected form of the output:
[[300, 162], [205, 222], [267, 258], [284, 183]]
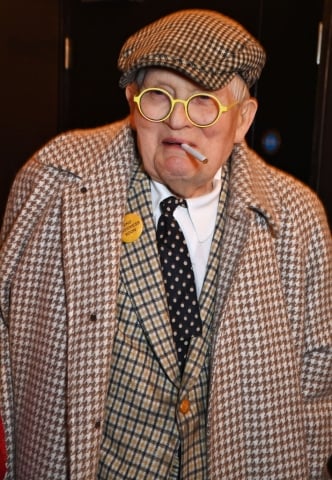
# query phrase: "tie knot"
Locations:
[[169, 204]]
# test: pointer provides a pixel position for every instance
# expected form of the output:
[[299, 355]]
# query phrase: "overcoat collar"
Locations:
[[248, 187]]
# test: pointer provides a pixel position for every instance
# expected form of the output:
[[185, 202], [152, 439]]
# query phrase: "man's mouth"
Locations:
[[187, 148]]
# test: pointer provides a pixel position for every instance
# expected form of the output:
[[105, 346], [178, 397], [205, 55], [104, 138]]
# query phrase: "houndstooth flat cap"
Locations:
[[205, 46]]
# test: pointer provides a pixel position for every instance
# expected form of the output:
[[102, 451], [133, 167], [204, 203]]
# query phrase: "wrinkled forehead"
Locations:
[[179, 85]]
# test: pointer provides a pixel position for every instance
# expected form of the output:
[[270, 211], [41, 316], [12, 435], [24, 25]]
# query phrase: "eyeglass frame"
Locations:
[[174, 101]]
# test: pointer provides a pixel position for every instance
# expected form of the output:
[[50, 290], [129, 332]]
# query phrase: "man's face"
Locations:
[[159, 143]]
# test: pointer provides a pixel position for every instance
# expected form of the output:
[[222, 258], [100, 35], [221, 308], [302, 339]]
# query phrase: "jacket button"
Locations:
[[185, 406]]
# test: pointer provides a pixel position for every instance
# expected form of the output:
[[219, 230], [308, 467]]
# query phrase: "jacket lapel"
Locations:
[[142, 275]]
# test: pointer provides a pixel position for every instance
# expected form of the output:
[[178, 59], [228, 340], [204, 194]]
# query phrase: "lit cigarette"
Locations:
[[195, 153]]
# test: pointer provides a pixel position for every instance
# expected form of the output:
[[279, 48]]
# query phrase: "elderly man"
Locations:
[[138, 344]]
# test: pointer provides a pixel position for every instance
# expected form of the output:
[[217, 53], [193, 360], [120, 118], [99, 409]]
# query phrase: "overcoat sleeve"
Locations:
[[33, 186]]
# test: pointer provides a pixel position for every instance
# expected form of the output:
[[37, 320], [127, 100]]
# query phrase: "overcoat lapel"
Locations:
[[251, 326], [91, 249]]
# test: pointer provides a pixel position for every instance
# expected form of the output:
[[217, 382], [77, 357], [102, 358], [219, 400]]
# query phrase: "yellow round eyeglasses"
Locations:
[[202, 109]]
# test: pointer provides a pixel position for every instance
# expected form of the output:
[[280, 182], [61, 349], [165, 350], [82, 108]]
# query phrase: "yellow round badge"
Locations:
[[132, 227]]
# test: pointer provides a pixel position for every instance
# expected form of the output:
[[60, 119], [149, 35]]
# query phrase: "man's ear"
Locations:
[[247, 112], [130, 91]]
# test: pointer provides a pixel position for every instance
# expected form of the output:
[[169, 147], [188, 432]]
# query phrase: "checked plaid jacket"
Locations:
[[270, 396]]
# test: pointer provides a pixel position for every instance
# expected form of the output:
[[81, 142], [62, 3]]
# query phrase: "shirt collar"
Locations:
[[202, 210]]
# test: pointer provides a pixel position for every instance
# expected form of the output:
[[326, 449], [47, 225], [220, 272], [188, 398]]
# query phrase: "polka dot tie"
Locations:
[[178, 278]]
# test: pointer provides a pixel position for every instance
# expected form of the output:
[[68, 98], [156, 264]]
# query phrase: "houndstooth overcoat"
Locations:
[[270, 404]]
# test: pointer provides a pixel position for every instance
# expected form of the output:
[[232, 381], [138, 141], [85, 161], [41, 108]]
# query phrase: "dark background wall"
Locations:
[[58, 64]]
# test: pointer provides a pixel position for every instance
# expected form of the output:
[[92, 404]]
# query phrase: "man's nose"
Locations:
[[178, 117]]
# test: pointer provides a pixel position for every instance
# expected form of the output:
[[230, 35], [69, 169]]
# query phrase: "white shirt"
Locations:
[[197, 223]]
